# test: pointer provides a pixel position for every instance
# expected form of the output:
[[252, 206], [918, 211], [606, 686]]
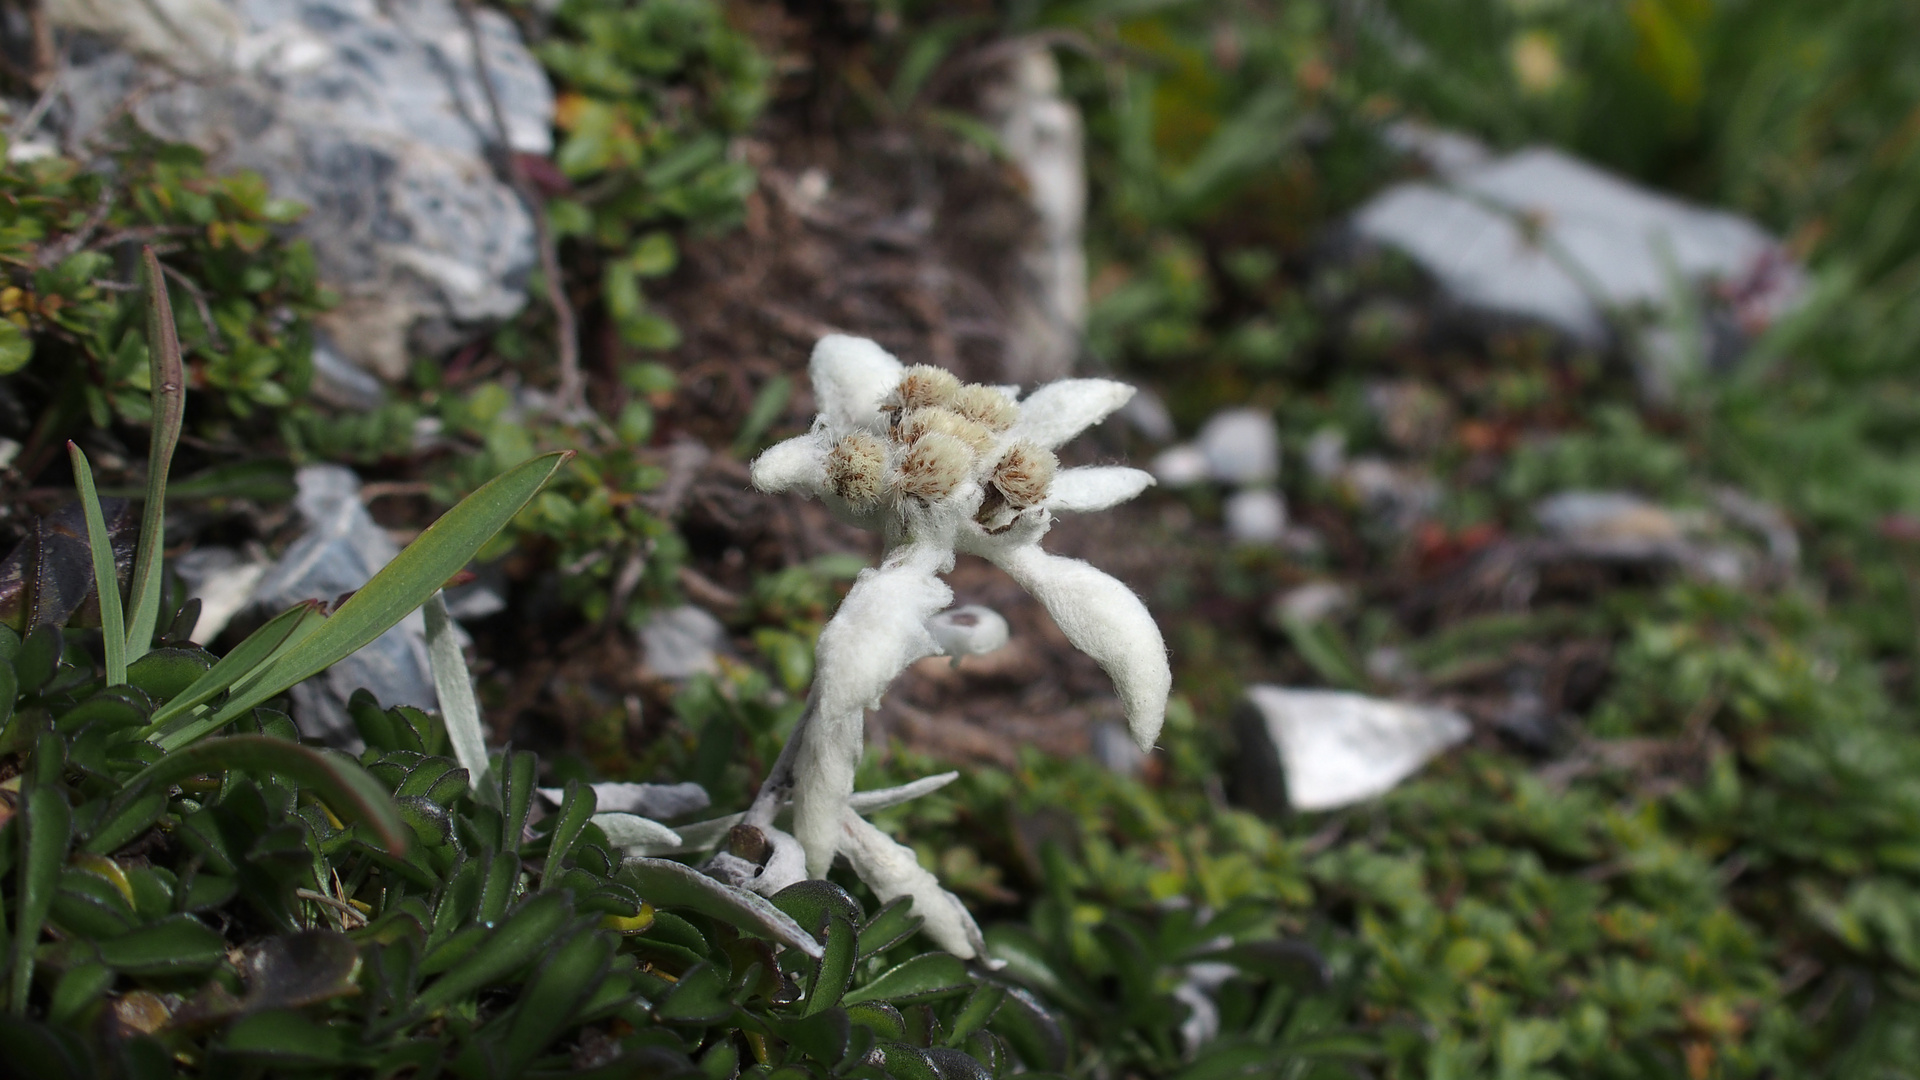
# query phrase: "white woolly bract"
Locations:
[[851, 377], [1105, 620], [968, 630], [891, 870], [701, 835], [1060, 410], [786, 866], [796, 464], [878, 630], [631, 831], [647, 800], [454, 687], [1095, 487]]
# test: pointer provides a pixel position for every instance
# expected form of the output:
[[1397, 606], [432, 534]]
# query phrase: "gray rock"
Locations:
[[1543, 236], [372, 114], [340, 551], [679, 643], [222, 580]]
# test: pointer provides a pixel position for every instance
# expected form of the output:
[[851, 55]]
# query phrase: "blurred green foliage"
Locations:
[[71, 342]]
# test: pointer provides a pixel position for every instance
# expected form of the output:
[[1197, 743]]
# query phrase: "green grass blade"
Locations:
[[404, 584], [451, 683], [106, 579], [169, 389], [336, 779], [242, 660]]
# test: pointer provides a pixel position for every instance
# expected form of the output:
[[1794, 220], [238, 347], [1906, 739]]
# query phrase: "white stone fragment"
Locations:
[[1181, 466], [1542, 235], [1607, 516], [1338, 748], [1242, 446], [223, 581], [681, 642], [1256, 516]]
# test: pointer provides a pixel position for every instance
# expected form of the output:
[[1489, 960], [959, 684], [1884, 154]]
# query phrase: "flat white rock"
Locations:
[[1256, 516], [1338, 748], [1542, 235], [1242, 446]]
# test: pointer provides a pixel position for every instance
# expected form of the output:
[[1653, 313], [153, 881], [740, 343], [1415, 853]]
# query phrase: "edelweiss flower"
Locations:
[[939, 467]]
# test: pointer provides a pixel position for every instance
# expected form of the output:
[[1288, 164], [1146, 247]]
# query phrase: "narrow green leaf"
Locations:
[[516, 796], [980, 1007], [174, 945], [48, 828], [665, 883], [923, 978], [404, 584], [831, 976], [553, 996], [458, 710], [575, 809], [244, 658], [106, 577], [889, 926], [167, 376], [337, 779], [513, 944]]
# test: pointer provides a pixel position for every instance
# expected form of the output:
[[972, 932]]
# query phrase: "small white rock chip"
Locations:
[[1257, 516], [1181, 466], [1242, 446], [682, 642], [1338, 748]]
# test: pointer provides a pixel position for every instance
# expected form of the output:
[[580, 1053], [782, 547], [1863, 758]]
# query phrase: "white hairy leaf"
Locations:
[[891, 870], [1060, 410], [1095, 487], [1105, 620]]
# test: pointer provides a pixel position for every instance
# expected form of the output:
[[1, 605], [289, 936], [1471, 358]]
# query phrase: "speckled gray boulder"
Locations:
[[370, 112]]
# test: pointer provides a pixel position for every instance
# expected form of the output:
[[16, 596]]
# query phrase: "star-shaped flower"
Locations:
[[940, 467]]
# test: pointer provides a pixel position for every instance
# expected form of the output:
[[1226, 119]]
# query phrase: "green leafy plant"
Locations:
[[184, 870]]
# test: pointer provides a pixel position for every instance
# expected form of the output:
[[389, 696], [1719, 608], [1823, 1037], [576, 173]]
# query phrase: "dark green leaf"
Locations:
[[664, 883], [165, 673], [884, 1019], [890, 925], [48, 825], [512, 945], [833, 972], [174, 945], [168, 389], [974, 1015], [814, 901], [335, 778], [923, 978], [700, 997], [575, 808], [552, 997], [291, 1038], [822, 1036]]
